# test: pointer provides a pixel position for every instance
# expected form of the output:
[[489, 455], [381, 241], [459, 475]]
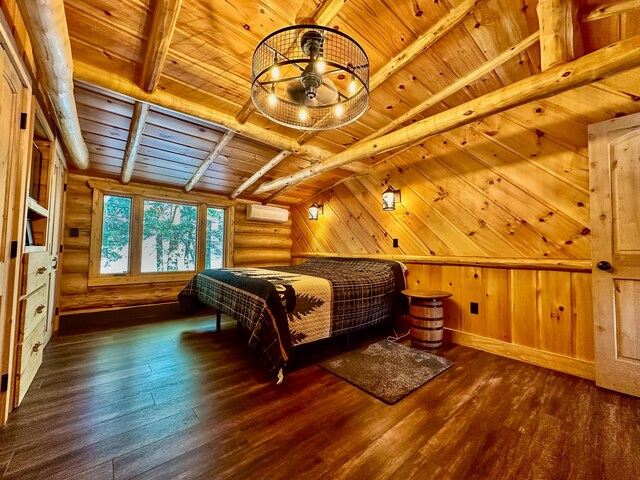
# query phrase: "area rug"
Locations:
[[388, 371]]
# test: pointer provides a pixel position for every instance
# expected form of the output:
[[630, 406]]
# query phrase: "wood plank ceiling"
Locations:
[[209, 63]]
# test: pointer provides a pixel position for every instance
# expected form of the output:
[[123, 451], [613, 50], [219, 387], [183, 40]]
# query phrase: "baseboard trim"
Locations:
[[552, 361], [119, 317]]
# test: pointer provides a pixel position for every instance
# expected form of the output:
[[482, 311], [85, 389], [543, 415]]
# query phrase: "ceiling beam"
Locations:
[[326, 13], [459, 84], [560, 39], [246, 111], [277, 193], [165, 17], [259, 174], [209, 160], [424, 41], [115, 83], [417, 47], [610, 9], [139, 118], [592, 67], [357, 167], [445, 92], [47, 26]]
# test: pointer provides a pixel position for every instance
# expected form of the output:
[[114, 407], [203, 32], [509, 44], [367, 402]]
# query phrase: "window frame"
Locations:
[[162, 194]]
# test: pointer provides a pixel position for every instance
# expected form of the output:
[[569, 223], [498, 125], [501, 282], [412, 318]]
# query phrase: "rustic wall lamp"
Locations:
[[315, 210], [389, 198]]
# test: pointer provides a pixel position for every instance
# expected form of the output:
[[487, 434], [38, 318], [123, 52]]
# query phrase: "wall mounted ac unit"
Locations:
[[266, 213]]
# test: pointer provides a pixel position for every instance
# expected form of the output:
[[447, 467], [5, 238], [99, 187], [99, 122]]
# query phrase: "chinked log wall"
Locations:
[[255, 244]]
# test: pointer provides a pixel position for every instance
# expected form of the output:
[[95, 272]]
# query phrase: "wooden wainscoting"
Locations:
[[539, 313], [254, 244]]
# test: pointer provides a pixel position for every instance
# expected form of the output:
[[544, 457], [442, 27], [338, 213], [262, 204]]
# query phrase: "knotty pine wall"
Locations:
[[255, 244], [514, 185]]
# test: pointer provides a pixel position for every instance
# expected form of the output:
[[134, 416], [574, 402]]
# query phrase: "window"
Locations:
[[116, 231], [215, 235], [169, 237], [140, 237]]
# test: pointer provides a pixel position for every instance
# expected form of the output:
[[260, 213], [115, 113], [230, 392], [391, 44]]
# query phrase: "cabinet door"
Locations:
[[614, 176], [14, 99], [9, 124], [33, 320]]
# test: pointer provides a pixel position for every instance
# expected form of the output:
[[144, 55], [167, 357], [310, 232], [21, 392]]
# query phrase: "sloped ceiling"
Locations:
[[209, 63], [512, 185]]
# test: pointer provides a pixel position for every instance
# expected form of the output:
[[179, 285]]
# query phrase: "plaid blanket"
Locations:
[[286, 306]]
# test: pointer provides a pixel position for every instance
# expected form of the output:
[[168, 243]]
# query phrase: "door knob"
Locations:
[[604, 266]]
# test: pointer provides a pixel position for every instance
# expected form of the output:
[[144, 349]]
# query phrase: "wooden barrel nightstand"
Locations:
[[425, 313]]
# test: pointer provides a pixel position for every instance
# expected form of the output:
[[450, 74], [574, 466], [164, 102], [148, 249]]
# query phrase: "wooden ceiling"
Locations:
[[209, 64]]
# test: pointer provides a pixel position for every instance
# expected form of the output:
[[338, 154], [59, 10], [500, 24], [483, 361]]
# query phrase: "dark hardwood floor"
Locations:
[[179, 400]]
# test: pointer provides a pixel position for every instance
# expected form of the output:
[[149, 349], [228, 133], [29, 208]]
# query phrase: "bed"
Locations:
[[284, 307]]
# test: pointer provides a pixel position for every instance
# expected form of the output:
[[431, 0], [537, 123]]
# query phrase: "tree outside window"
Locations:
[[116, 231], [215, 238], [169, 237], [166, 244]]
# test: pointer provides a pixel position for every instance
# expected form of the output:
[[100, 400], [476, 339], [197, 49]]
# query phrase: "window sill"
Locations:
[[112, 280]]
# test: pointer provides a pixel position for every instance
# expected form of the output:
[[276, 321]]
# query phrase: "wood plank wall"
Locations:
[[538, 316], [540, 310], [513, 185], [255, 244]]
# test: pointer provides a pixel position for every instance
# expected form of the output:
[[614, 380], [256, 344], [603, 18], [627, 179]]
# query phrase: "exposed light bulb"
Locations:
[[320, 66], [302, 114], [339, 110], [275, 72], [352, 85], [273, 99]]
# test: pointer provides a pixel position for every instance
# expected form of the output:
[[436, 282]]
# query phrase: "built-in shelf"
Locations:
[[35, 210], [34, 248]]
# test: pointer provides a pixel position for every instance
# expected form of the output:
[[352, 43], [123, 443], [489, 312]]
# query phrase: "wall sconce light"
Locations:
[[315, 210], [389, 199]]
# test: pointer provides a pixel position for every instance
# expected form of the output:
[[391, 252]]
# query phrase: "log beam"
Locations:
[[139, 118], [260, 173], [560, 40], [276, 194], [357, 167], [328, 11], [459, 84], [424, 41], [611, 9], [324, 15], [99, 78], [417, 47], [226, 138], [592, 67], [165, 17], [47, 26]]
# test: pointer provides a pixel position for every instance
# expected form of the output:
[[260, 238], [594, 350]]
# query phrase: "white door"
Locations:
[[614, 177], [54, 230]]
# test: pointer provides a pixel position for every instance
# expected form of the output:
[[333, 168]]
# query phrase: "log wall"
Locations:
[[255, 244], [19, 30]]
